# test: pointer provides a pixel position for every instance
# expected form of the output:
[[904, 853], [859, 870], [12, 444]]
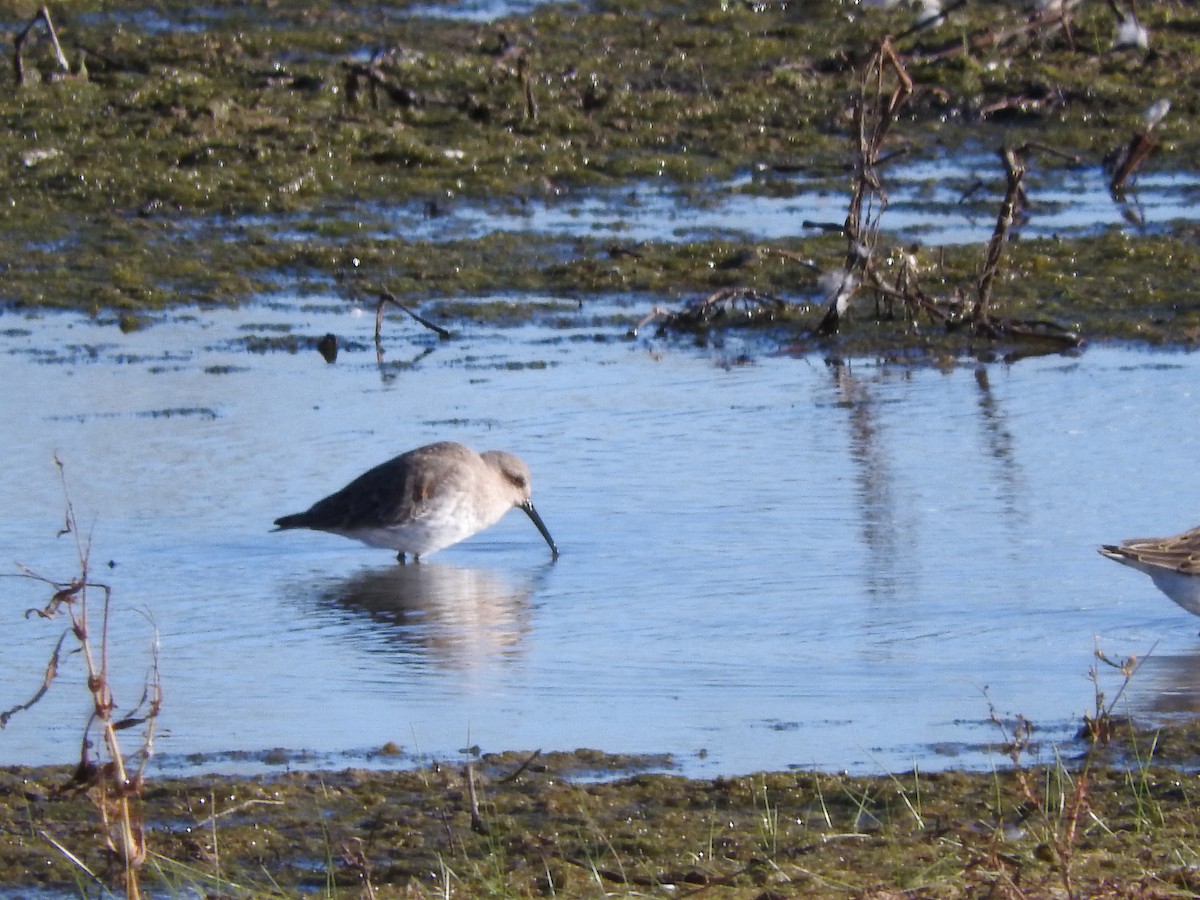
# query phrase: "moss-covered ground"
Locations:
[[1126, 826], [207, 155]]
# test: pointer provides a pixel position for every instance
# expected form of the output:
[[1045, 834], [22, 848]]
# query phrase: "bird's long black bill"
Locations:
[[541, 526]]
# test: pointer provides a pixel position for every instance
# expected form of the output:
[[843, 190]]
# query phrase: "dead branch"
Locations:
[[657, 314], [477, 824], [1046, 21], [42, 15], [907, 290], [982, 320], [47, 680], [372, 78], [1139, 148], [699, 314], [884, 89], [1014, 200], [874, 116], [388, 297], [515, 774]]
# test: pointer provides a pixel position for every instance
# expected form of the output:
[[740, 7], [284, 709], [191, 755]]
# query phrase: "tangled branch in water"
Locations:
[[728, 305]]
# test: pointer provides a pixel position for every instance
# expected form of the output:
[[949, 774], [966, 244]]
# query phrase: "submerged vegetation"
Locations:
[[184, 156]]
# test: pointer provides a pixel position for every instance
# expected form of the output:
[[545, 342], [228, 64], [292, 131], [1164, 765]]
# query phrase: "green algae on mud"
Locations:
[[206, 163], [254, 111], [1107, 287], [542, 825]]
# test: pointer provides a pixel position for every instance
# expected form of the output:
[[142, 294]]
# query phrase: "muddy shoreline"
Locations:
[[1118, 824], [187, 159]]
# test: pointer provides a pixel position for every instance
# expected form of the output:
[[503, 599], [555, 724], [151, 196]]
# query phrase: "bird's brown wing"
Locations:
[[395, 491], [371, 500], [1180, 552]]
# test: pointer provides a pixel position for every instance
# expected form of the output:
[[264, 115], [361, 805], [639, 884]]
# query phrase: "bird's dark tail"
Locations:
[[293, 521]]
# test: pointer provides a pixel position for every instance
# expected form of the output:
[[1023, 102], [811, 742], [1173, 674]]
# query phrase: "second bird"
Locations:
[[425, 500], [1173, 563]]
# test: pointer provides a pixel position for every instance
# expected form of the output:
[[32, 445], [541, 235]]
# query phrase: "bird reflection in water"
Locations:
[[1171, 682], [456, 618]]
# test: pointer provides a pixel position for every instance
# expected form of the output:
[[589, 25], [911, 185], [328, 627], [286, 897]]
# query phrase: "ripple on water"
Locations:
[[767, 565]]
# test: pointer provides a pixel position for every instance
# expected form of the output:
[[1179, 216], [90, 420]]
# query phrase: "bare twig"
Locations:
[[1099, 727], [515, 774], [355, 854], [1014, 200], [1045, 21], [1139, 148], [112, 786], [698, 314], [208, 820], [477, 824], [47, 680], [75, 860], [372, 76], [42, 15], [388, 297], [884, 89]]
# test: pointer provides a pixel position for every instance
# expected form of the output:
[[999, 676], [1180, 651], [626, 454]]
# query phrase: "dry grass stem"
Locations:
[[112, 782]]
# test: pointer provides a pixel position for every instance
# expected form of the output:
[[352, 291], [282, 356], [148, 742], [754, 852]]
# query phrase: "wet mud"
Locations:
[[220, 156], [1121, 824]]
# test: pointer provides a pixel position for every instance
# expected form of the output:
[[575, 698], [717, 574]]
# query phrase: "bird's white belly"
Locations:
[[435, 529], [1183, 589]]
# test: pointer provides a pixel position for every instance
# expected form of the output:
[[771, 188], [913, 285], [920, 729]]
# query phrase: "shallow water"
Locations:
[[765, 565], [949, 199]]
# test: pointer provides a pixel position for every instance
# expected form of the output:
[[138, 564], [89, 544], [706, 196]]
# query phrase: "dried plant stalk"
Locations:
[[884, 89], [112, 784]]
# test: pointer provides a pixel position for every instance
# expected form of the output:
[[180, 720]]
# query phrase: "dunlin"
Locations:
[[425, 500], [1173, 563]]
